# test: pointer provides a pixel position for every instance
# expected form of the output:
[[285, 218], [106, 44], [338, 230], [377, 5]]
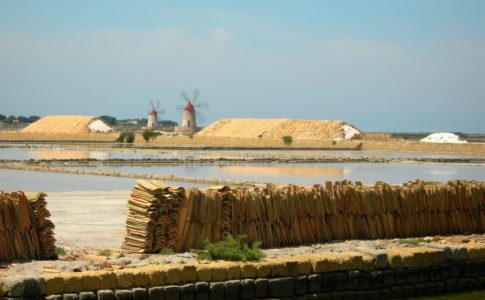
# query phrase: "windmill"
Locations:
[[153, 114], [190, 112]]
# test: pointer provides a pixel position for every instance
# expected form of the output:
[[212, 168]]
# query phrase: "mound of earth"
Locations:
[[277, 128], [67, 124], [443, 137]]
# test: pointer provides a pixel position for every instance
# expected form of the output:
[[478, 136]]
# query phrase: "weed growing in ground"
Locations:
[[233, 248], [60, 251], [166, 251], [105, 252], [412, 242]]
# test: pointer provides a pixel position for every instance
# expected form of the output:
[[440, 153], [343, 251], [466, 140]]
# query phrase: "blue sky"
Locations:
[[380, 65]]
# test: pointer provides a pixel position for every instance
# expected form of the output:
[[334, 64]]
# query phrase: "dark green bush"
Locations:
[[130, 137], [287, 139], [236, 249], [149, 135]]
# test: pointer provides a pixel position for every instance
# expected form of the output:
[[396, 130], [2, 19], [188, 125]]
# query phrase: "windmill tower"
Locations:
[[153, 114], [191, 113]]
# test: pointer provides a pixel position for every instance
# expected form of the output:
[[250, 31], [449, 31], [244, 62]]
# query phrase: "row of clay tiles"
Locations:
[[160, 275], [162, 216]]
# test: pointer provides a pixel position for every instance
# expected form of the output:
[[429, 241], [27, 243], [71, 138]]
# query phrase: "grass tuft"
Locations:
[[60, 250], [105, 252]]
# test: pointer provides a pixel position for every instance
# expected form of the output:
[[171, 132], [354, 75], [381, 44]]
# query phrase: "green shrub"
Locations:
[[235, 249], [287, 139], [60, 251], [122, 137], [130, 137], [149, 135], [166, 251]]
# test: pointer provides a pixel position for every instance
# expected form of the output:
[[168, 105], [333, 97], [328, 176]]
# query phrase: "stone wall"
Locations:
[[385, 274]]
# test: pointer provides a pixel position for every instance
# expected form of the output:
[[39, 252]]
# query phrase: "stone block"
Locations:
[[434, 272], [314, 283], [451, 285], [139, 293], [423, 274], [372, 295], [419, 289], [278, 269], [15, 288], [248, 270], [475, 250], [51, 297], [173, 275], [33, 287], [377, 281], [365, 280], [323, 263], [304, 266], [408, 291], [247, 289], [204, 273], [324, 296], [263, 270], [397, 291], [156, 293], [172, 292], [361, 295], [232, 289], [187, 291], [218, 274], [87, 296], [73, 283], [467, 283], [123, 294], [233, 272], [70, 297], [106, 295], [412, 274], [260, 287], [328, 282], [281, 287], [430, 288], [107, 280], [481, 267], [387, 278], [301, 285], [125, 279], [340, 281], [157, 277], [202, 290], [91, 281], [141, 278], [189, 274], [216, 290], [292, 268], [385, 294], [337, 295], [400, 276]]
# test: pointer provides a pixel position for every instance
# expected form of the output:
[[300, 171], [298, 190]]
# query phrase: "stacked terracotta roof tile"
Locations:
[[25, 230]]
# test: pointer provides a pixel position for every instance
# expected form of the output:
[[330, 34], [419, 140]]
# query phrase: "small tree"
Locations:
[[287, 139]]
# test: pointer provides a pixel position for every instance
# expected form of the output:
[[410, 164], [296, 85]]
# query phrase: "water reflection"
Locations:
[[306, 173]]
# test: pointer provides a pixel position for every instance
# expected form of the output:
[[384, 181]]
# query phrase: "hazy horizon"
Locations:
[[401, 66]]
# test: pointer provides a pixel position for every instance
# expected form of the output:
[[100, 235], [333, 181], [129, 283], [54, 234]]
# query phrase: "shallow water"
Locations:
[[311, 173], [69, 152], [14, 180]]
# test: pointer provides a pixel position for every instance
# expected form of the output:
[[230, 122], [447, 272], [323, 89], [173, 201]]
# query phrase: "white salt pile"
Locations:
[[99, 126], [443, 137], [350, 131]]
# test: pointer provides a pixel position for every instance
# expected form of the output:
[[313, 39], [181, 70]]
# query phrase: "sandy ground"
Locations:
[[89, 220]]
